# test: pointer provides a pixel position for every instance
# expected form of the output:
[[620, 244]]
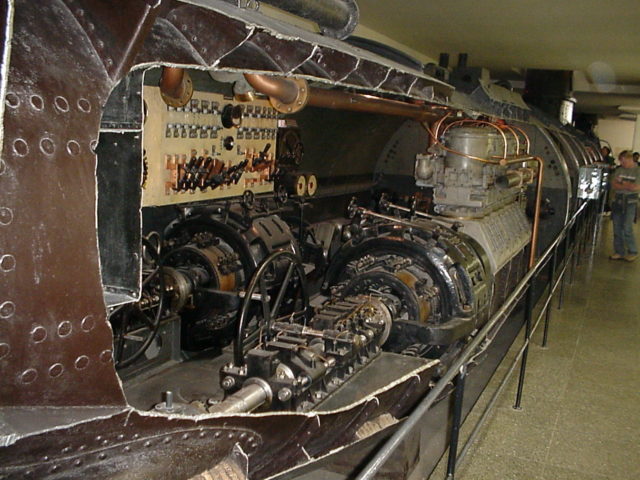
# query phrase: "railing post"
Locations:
[[547, 318], [528, 310], [455, 425], [564, 269]]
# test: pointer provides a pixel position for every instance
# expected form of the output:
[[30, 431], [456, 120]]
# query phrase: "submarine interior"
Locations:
[[255, 249]]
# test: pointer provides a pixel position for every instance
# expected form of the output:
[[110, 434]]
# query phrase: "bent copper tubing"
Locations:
[[174, 86], [536, 214], [277, 87], [286, 91]]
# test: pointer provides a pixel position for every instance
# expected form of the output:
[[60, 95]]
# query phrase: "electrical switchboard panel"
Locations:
[[212, 148]]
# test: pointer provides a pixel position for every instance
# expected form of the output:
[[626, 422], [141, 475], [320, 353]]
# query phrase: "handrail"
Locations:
[[372, 467]]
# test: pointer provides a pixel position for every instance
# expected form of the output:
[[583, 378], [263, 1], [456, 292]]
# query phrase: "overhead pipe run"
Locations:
[[288, 95]]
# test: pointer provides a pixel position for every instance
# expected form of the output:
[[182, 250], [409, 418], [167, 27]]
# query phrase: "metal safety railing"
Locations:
[[575, 237]]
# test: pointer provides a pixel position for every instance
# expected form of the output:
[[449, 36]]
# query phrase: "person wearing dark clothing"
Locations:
[[636, 157], [625, 186], [609, 161], [607, 157]]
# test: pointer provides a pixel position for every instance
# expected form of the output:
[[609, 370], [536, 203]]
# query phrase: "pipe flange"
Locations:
[[302, 97], [179, 95]]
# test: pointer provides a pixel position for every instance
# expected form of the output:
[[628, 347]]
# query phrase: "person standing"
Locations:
[[607, 157], [624, 188]]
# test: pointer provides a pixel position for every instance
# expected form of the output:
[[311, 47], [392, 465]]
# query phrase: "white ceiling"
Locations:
[[598, 39]]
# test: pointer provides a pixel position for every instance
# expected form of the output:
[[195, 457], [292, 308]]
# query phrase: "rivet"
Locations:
[[66, 449], [77, 463], [108, 62], [7, 309], [56, 370], [4, 350], [47, 146], [102, 456], [90, 27], [38, 334], [242, 436], [135, 436], [184, 28], [106, 356], [12, 100], [201, 434], [54, 468], [254, 445], [105, 442], [127, 449], [87, 323], [98, 438], [185, 436], [167, 440], [217, 435], [194, 39], [147, 443], [29, 375], [6, 215], [61, 104], [36, 102], [120, 437], [64, 328], [230, 436], [73, 147], [81, 362], [84, 105], [7, 263], [99, 44], [20, 147]]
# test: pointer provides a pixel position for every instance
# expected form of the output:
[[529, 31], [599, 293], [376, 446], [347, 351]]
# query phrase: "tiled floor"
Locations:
[[581, 408]]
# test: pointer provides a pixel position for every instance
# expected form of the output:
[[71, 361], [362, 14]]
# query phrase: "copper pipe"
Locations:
[[356, 102], [175, 86], [286, 91], [526, 137], [277, 87], [481, 122], [536, 214]]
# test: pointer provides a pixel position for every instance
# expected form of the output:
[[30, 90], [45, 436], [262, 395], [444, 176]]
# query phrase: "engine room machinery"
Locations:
[[248, 241]]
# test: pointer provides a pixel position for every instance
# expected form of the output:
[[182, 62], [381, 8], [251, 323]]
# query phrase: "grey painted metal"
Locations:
[[544, 311], [336, 18], [392, 444]]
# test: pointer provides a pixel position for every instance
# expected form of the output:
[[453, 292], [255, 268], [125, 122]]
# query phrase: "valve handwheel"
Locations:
[[269, 290], [136, 324]]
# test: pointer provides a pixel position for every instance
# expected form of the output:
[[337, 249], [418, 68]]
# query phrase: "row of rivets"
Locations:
[[31, 374], [37, 103], [47, 146]]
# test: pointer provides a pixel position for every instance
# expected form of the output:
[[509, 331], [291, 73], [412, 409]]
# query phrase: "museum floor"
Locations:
[[580, 417]]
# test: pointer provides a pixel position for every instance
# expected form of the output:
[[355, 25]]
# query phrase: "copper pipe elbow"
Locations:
[[287, 95], [176, 87]]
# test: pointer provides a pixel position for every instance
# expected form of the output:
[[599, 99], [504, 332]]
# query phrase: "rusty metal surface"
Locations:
[[63, 409], [106, 443], [188, 34]]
